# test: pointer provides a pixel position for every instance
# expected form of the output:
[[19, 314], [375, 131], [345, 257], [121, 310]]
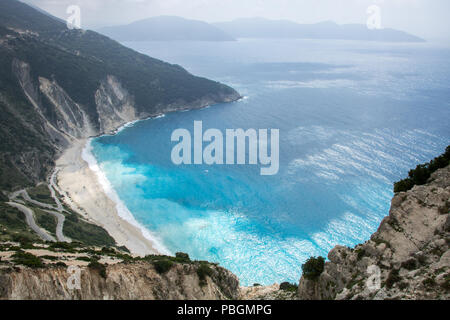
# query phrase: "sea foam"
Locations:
[[121, 208]]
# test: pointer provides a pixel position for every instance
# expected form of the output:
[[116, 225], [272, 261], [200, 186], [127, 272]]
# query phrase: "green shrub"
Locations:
[[422, 172], [90, 234], [65, 246], [313, 268], [87, 259], [99, 267], [45, 220], [27, 259], [410, 264], [23, 239], [203, 271], [429, 282], [162, 266], [61, 264], [51, 258], [182, 257], [286, 286], [124, 249], [392, 278], [108, 251], [41, 193], [360, 253]]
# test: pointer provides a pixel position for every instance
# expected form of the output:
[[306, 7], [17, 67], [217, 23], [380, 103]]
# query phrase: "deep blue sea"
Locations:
[[353, 117]]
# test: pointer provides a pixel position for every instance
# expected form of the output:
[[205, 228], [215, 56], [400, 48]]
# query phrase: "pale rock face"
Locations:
[[70, 117], [410, 248], [115, 106], [272, 292], [69, 120], [22, 71], [123, 281]]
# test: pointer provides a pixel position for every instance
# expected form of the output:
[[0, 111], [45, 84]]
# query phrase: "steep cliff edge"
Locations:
[[407, 258], [122, 282], [136, 280]]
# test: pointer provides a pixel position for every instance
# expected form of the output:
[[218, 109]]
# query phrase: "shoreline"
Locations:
[[87, 190], [81, 184]]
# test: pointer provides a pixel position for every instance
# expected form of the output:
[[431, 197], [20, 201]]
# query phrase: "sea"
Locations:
[[353, 118]]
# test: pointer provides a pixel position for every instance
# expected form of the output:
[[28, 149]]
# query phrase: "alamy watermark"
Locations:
[[74, 19], [236, 150], [74, 280], [373, 283], [374, 19]]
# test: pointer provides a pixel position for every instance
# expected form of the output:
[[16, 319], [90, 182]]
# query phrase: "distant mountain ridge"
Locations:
[[170, 28], [284, 29], [166, 28]]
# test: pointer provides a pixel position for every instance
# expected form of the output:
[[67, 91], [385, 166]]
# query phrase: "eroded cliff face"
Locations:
[[123, 281], [410, 252], [65, 114], [115, 106], [66, 120]]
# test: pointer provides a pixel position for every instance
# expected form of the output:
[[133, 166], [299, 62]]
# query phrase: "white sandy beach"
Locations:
[[81, 184]]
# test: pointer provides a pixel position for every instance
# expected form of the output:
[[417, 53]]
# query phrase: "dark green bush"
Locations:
[[410, 264], [422, 172], [108, 251], [286, 286], [23, 239], [360, 253], [61, 264], [123, 248], [162, 266], [87, 259], [182, 257], [51, 258], [99, 267], [27, 259], [203, 271], [65, 246], [392, 278], [429, 282], [313, 268]]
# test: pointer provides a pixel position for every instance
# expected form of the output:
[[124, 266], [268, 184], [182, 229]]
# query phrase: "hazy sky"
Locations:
[[425, 18]]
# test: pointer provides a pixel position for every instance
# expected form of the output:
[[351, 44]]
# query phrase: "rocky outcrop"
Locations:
[[273, 292], [407, 258], [122, 281]]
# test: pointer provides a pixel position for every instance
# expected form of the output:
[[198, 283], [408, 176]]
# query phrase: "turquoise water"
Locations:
[[353, 117]]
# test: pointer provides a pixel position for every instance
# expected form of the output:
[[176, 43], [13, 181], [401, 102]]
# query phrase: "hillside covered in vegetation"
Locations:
[[58, 84]]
